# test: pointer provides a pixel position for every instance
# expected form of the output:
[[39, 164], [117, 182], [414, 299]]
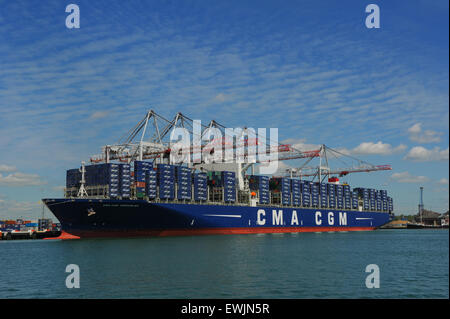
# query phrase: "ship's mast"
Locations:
[[82, 191]]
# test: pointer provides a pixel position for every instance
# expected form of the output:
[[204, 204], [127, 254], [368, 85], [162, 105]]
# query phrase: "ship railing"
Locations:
[[101, 192]]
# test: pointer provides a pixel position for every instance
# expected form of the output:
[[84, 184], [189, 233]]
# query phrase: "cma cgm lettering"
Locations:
[[291, 218]]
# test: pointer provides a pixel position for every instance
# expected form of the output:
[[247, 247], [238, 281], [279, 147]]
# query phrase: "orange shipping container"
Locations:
[[140, 184]]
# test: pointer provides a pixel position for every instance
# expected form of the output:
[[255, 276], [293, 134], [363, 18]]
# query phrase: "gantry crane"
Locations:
[[151, 139], [324, 171], [135, 145]]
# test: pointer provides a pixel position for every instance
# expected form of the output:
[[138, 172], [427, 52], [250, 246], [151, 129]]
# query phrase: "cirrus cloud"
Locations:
[[7, 168]]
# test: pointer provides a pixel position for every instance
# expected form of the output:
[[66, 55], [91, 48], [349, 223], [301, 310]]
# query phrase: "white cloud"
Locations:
[[422, 154], [20, 179], [98, 115], [370, 148], [417, 135], [7, 168], [300, 144], [17, 178], [415, 129], [406, 177], [220, 97], [379, 148], [443, 181]]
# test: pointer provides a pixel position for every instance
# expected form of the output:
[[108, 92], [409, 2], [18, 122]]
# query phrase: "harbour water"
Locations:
[[412, 264]]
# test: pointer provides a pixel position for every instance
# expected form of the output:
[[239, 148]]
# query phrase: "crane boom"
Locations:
[[347, 171]]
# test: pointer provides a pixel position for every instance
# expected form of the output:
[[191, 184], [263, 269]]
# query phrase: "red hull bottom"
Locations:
[[206, 231], [64, 235]]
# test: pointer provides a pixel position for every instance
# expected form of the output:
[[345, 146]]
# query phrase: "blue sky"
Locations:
[[311, 69]]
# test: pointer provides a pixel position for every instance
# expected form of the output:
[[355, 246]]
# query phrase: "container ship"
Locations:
[[134, 189]]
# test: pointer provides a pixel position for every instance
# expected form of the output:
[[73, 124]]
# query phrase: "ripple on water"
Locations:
[[324, 265]]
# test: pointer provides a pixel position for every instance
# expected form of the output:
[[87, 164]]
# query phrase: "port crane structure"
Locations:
[[150, 138]]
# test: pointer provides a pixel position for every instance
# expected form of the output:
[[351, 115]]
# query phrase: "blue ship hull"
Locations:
[[125, 218]]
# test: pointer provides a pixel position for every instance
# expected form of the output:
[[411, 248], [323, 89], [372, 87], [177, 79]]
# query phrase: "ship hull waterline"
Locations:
[[90, 218]]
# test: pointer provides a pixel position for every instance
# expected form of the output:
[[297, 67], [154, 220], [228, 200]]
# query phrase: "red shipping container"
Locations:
[[140, 184]]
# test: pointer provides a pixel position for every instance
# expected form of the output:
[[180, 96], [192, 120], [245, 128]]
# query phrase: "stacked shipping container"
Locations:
[[355, 197], [306, 193], [372, 199], [378, 200], [116, 177], [166, 181], [281, 186], [261, 185], [323, 195], [286, 191], [347, 197], [315, 190], [390, 204], [331, 195], [140, 170], [151, 184], [200, 187], [295, 192], [339, 196], [229, 186], [384, 200], [125, 180], [184, 182], [104, 174], [73, 178]]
